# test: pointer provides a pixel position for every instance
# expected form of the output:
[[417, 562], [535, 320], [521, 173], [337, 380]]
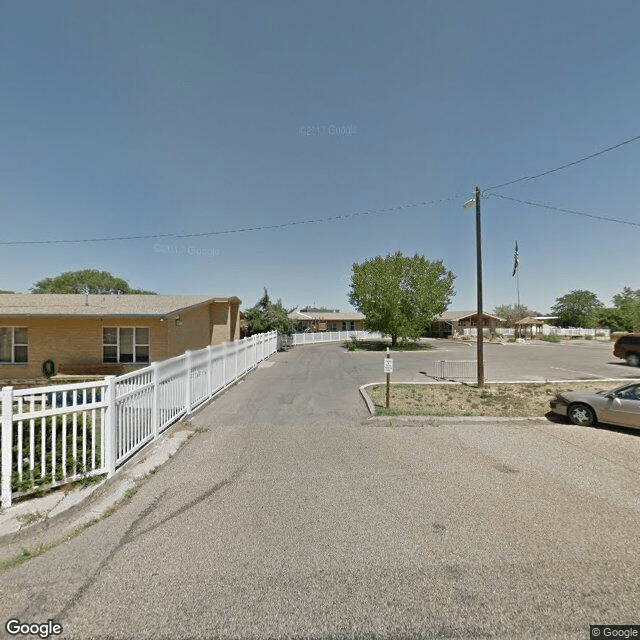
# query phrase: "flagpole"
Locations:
[[516, 273]]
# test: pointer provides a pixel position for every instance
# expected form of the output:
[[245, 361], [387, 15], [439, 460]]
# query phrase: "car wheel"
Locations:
[[633, 359], [582, 415]]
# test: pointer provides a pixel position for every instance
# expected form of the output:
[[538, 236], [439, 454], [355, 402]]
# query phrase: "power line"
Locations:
[[561, 210], [346, 216], [564, 166], [240, 230]]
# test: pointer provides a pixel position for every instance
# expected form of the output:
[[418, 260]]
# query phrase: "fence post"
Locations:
[[209, 371], [187, 399], [110, 426], [245, 343], [155, 405], [224, 367], [236, 361], [7, 444]]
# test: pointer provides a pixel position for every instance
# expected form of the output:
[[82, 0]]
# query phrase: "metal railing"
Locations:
[[59, 434], [454, 369]]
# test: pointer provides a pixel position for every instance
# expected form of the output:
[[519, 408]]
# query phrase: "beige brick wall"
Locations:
[[234, 321], [74, 341], [192, 333], [219, 324]]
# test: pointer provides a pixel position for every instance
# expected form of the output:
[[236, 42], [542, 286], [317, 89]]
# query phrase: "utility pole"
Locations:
[[479, 272], [467, 205]]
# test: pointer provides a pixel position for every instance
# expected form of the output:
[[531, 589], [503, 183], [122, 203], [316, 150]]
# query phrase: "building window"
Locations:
[[333, 326], [13, 344], [125, 344]]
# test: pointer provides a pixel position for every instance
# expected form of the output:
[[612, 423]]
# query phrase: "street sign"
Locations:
[[388, 365]]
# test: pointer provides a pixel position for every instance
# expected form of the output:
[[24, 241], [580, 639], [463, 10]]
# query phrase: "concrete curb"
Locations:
[[437, 420]]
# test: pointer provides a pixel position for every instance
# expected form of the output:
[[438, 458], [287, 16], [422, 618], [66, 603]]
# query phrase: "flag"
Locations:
[[516, 260]]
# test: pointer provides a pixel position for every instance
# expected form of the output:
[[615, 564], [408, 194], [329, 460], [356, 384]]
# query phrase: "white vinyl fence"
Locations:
[[333, 336], [58, 434], [572, 331], [547, 330]]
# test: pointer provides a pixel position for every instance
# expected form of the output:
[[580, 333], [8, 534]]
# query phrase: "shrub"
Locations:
[[552, 337], [353, 344], [34, 479]]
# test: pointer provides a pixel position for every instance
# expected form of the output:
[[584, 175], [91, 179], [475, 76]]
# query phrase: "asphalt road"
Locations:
[[290, 517]]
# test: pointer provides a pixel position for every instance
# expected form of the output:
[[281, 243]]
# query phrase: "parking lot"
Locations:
[[510, 362]]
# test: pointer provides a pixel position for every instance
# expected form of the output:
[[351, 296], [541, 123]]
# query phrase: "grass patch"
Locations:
[[16, 561], [499, 400]]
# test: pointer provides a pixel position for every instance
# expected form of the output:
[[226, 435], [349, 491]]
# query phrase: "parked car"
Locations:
[[619, 406], [628, 347]]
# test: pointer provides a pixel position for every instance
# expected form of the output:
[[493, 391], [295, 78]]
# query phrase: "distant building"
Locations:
[[453, 323], [321, 319]]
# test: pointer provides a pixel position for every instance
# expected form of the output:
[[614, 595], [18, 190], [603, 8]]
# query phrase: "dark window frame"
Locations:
[[15, 346], [137, 346]]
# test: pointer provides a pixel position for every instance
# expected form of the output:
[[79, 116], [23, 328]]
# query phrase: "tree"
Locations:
[[577, 308], [400, 296], [513, 313], [613, 319], [267, 316], [85, 281], [625, 314], [628, 305]]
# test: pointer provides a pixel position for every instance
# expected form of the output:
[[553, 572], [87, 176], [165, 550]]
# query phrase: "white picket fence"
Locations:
[[546, 330], [573, 331], [62, 433], [333, 336]]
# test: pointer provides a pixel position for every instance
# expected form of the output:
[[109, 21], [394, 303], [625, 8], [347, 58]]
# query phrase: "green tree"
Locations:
[[577, 308], [513, 313], [85, 281], [627, 304], [268, 316], [612, 318], [400, 296]]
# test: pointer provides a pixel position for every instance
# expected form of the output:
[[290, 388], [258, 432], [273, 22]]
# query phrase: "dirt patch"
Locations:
[[499, 400]]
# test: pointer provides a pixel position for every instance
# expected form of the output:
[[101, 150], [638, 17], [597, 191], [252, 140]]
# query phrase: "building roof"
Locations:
[[530, 320], [72, 304], [456, 316], [326, 316]]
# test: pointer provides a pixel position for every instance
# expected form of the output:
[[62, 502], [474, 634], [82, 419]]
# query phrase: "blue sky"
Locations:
[[156, 117]]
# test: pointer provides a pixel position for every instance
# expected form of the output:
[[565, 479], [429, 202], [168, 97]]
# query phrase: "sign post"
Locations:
[[388, 369]]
